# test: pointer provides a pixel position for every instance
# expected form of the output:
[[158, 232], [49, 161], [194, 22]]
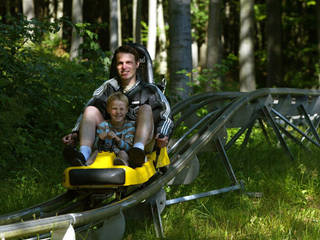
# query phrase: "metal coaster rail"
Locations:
[[277, 108]]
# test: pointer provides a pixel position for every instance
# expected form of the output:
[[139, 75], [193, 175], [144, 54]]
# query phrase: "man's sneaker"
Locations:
[[136, 157], [74, 157], [119, 161]]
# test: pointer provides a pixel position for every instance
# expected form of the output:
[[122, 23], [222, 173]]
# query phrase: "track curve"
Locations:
[[222, 111]]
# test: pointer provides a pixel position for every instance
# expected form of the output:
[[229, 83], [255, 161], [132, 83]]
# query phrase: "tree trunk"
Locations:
[[115, 24], [195, 60], [119, 23], [51, 15], [77, 17], [8, 6], [28, 9], [152, 28], [246, 48], [29, 13], [214, 50], [203, 54], [136, 16], [318, 33], [274, 48], [59, 16], [51, 11], [180, 59], [195, 50], [162, 41]]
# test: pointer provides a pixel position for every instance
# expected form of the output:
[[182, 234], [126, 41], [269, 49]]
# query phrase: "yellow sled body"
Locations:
[[103, 174]]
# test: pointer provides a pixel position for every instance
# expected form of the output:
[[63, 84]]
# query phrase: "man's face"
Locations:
[[117, 110], [126, 66]]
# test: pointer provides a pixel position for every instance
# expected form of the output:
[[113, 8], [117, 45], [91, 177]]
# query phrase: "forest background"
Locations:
[[53, 54]]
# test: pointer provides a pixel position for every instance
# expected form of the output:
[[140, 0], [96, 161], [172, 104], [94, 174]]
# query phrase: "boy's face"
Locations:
[[117, 110]]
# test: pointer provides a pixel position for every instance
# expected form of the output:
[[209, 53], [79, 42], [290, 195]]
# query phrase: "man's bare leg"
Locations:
[[144, 125], [90, 120], [143, 135]]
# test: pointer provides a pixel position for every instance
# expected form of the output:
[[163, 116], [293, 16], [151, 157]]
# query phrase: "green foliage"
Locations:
[[94, 57], [216, 78], [199, 19], [41, 95], [260, 12], [144, 32], [299, 47]]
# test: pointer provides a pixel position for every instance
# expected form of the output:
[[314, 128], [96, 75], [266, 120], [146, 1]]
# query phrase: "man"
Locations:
[[147, 106]]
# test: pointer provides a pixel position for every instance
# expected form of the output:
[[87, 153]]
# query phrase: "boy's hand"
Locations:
[[103, 135], [111, 135]]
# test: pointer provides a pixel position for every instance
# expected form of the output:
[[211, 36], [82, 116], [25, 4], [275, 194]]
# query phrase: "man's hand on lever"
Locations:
[[162, 140], [70, 139]]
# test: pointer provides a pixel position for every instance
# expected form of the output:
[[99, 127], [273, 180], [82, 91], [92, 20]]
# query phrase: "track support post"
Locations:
[[157, 205], [226, 161], [310, 123], [269, 118]]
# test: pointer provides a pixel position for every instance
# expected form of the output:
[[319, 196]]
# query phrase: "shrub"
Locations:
[[41, 94]]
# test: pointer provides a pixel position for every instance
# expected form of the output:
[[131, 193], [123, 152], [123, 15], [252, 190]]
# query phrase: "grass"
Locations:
[[30, 184], [288, 209]]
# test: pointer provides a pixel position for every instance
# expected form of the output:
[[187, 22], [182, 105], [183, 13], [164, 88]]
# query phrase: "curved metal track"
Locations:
[[292, 114]]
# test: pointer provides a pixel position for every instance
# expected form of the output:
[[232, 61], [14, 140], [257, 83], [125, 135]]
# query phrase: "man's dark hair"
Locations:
[[127, 49]]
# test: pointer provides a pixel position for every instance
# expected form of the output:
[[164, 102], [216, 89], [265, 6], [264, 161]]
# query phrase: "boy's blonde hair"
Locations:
[[117, 96]]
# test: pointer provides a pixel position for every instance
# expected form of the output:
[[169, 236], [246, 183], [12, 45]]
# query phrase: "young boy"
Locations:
[[117, 134]]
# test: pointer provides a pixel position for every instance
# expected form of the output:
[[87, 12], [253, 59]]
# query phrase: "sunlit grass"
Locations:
[[288, 209]]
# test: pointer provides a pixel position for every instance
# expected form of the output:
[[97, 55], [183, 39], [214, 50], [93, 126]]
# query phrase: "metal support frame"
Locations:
[[316, 123], [294, 127], [269, 118], [247, 136], [293, 138], [264, 131], [157, 205], [241, 131], [310, 123], [113, 228], [222, 150], [157, 221], [226, 161], [204, 194], [229, 169]]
